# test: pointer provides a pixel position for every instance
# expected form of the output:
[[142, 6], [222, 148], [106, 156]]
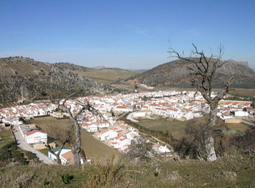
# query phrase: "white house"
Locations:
[[108, 135], [141, 113], [131, 134], [241, 113], [160, 149], [123, 109], [66, 155], [35, 137], [90, 127]]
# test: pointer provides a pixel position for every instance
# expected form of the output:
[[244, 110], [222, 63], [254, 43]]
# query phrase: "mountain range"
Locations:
[[22, 77]]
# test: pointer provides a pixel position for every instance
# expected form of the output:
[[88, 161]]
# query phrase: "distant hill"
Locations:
[[100, 74], [24, 76], [176, 74]]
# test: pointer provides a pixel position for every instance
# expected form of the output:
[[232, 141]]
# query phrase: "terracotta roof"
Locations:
[[121, 107], [34, 131], [69, 157]]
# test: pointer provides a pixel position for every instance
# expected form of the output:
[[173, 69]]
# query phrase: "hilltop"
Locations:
[[176, 74]]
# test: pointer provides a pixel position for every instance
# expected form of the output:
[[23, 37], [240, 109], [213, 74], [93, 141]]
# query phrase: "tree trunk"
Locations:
[[76, 149], [209, 140]]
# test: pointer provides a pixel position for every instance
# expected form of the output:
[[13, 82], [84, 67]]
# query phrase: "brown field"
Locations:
[[237, 126], [94, 149]]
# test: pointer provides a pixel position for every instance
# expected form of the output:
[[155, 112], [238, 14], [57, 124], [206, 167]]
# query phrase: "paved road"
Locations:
[[23, 145], [247, 122]]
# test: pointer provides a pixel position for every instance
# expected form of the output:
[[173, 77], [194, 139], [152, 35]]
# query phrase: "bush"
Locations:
[[11, 153], [66, 178], [245, 143]]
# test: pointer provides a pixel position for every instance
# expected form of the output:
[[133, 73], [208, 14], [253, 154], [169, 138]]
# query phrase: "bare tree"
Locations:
[[202, 70], [82, 107], [140, 150]]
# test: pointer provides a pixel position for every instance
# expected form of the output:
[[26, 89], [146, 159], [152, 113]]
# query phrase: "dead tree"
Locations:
[[202, 71], [78, 152]]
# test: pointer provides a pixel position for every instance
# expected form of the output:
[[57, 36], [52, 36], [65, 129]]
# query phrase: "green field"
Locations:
[[107, 75], [242, 92], [233, 91], [174, 127], [177, 128], [94, 149], [6, 138]]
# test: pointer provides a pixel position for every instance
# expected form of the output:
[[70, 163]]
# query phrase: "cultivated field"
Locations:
[[107, 75], [175, 127], [243, 92], [94, 149]]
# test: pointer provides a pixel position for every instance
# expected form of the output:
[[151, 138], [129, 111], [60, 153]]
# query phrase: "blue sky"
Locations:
[[126, 34]]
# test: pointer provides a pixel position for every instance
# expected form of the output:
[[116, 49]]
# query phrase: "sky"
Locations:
[[133, 34]]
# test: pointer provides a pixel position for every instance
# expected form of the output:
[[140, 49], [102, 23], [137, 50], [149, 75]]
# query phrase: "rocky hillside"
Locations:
[[176, 74], [33, 79]]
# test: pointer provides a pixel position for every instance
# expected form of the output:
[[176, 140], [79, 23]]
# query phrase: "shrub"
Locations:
[[66, 178]]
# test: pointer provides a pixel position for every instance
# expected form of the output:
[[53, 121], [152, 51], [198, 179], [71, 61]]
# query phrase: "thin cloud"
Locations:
[[135, 29]]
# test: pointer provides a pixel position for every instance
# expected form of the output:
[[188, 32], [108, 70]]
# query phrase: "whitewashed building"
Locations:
[[35, 137]]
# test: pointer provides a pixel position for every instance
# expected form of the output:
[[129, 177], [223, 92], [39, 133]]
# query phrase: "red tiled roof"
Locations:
[[121, 107], [34, 131]]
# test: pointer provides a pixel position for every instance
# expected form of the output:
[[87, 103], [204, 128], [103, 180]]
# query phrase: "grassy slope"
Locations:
[[93, 148], [7, 138], [229, 171]]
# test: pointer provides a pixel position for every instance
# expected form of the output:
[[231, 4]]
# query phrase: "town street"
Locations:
[[23, 145]]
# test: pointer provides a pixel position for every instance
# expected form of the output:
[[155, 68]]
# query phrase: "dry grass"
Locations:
[[232, 170], [94, 149], [237, 126]]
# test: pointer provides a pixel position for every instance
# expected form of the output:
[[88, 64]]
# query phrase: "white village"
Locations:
[[107, 126]]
